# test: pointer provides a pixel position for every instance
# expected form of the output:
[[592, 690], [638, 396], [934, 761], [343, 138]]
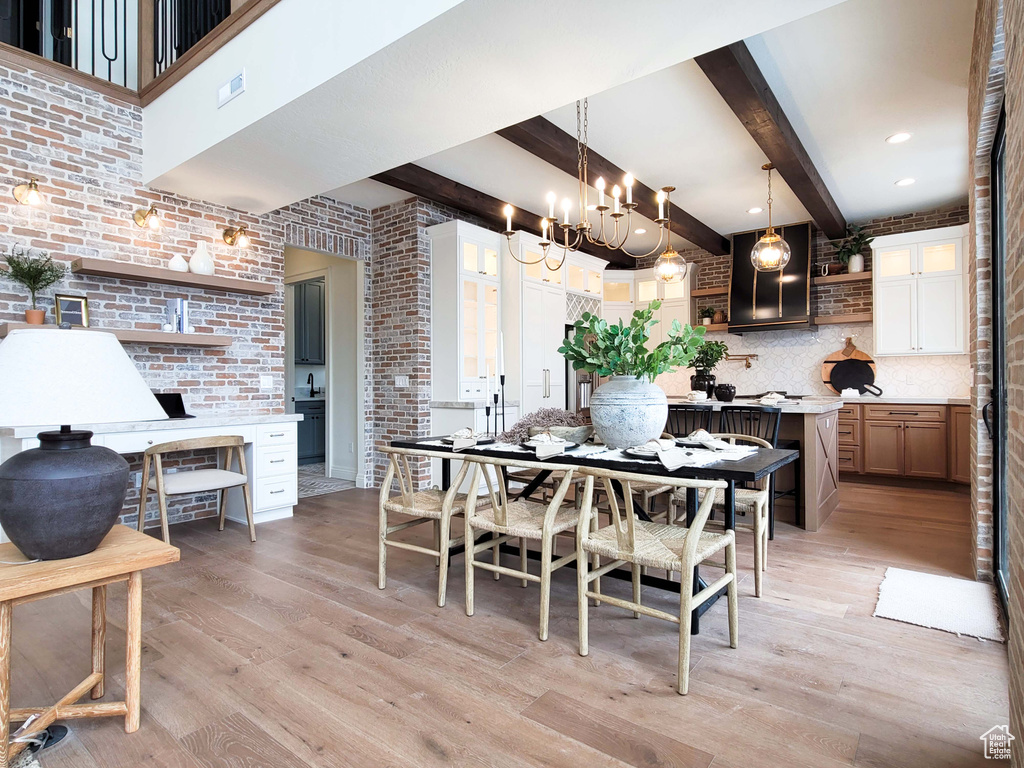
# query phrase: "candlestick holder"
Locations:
[[487, 419], [495, 413], [502, 379]]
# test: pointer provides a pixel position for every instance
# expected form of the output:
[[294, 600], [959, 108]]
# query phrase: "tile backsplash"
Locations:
[[791, 360]]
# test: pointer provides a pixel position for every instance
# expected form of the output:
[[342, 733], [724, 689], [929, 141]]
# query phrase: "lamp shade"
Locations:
[[57, 377]]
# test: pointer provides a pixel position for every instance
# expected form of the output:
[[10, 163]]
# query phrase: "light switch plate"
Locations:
[[266, 381], [401, 381]]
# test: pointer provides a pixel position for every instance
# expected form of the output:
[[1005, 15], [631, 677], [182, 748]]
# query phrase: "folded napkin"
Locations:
[[772, 398], [548, 445], [463, 438], [659, 444], [709, 441]]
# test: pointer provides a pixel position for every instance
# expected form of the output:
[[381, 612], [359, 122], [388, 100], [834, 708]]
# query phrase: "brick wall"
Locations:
[[86, 150], [401, 321]]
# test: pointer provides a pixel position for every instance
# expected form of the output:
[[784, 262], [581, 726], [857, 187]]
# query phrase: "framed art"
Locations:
[[72, 309]]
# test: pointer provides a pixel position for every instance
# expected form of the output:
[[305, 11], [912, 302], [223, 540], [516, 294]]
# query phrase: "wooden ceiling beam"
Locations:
[[733, 71], [433, 186], [544, 139]]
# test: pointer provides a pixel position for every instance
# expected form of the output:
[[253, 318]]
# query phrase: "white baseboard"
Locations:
[[266, 516], [344, 473]]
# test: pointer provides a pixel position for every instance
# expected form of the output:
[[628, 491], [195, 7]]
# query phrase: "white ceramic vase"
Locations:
[[178, 263], [627, 411], [201, 262], [856, 263]]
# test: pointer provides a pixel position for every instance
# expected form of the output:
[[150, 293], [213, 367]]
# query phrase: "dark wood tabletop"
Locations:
[[746, 470]]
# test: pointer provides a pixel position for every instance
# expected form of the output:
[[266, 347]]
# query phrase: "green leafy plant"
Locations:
[[709, 354], [617, 349], [34, 272], [707, 312], [855, 242]]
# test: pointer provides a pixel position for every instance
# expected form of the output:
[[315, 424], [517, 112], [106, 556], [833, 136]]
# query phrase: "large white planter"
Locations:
[[627, 411]]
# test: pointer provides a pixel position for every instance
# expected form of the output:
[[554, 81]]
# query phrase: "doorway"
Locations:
[[994, 412], [323, 367]]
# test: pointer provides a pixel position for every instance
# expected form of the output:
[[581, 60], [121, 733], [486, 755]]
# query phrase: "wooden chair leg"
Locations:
[[133, 653], [247, 493], [6, 608], [161, 498], [523, 559], [436, 525], [382, 549], [636, 588], [223, 492], [595, 562], [685, 620], [734, 625], [582, 603], [469, 556], [496, 557], [444, 537], [758, 553], [143, 492], [545, 586], [99, 637]]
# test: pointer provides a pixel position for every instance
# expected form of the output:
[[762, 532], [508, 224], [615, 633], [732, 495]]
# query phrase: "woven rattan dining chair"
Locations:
[[433, 506], [194, 481], [751, 501], [656, 545], [522, 520]]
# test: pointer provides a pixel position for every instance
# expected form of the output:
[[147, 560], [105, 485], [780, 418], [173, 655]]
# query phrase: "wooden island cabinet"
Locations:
[[913, 440]]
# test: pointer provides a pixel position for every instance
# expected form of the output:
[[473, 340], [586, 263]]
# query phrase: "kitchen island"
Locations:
[[813, 422]]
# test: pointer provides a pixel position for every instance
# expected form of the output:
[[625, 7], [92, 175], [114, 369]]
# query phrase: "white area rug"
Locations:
[[941, 602]]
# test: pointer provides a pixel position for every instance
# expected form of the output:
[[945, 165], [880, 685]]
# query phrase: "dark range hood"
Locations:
[[771, 301]]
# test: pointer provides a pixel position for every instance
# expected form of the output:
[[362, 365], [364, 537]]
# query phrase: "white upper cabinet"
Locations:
[[626, 291], [919, 300], [585, 274], [465, 299]]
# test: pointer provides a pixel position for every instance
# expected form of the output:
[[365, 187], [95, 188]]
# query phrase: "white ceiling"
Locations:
[[847, 78], [475, 68]]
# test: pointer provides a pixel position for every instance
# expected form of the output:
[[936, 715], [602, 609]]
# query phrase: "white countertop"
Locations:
[[807, 405], [477, 405], [146, 426], [869, 399]]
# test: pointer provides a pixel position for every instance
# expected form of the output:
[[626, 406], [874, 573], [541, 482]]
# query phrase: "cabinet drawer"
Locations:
[[278, 460], [905, 412], [276, 434], [850, 411], [849, 432], [850, 459], [277, 492]]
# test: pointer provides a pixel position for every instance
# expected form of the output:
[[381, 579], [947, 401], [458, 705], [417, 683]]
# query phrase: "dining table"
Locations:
[[755, 466]]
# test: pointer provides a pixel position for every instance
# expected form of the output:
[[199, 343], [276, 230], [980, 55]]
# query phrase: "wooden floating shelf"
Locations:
[[850, 277], [129, 336], [853, 317], [127, 271], [701, 292], [715, 327]]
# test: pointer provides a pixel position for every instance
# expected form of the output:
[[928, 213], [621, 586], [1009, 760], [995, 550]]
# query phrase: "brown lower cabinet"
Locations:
[[922, 442]]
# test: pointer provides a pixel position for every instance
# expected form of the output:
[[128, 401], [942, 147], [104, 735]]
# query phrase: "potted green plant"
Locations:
[[850, 249], [706, 315], [708, 355], [629, 409], [36, 273]]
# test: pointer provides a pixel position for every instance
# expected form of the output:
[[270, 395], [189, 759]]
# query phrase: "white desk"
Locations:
[[271, 452]]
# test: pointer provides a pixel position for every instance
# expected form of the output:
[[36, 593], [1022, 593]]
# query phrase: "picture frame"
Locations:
[[71, 309]]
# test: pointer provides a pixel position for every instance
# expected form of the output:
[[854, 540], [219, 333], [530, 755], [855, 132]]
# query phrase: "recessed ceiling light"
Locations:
[[755, 209], [898, 138], [905, 182], [639, 231]]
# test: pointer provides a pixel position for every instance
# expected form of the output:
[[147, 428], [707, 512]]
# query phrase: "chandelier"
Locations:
[[613, 223], [771, 253]]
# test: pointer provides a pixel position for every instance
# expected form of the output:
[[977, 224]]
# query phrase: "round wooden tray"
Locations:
[[849, 352]]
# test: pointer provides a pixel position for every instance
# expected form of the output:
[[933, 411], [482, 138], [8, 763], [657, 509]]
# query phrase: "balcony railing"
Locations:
[[102, 37]]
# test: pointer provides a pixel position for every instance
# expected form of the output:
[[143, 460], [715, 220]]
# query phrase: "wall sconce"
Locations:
[[28, 194], [237, 236], [147, 217]]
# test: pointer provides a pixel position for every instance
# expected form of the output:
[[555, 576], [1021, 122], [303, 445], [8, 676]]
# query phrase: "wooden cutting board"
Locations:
[[849, 352]]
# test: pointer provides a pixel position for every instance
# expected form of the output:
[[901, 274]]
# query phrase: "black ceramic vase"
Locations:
[[725, 392], [703, 381], [59, 500]]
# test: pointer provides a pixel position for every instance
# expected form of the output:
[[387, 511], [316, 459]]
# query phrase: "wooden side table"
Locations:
[[122, 556]]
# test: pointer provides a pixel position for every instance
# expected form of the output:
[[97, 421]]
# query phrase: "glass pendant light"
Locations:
[[771, 253], [670, 267]]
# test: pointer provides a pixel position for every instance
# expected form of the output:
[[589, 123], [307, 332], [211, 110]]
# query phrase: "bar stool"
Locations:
[[194, 481]]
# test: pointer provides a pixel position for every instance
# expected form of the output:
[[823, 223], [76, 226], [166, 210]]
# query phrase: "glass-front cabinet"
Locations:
[[465, 309], [585, 274]]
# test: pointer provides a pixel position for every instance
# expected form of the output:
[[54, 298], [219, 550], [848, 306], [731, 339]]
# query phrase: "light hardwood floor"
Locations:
[[283, 653]]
